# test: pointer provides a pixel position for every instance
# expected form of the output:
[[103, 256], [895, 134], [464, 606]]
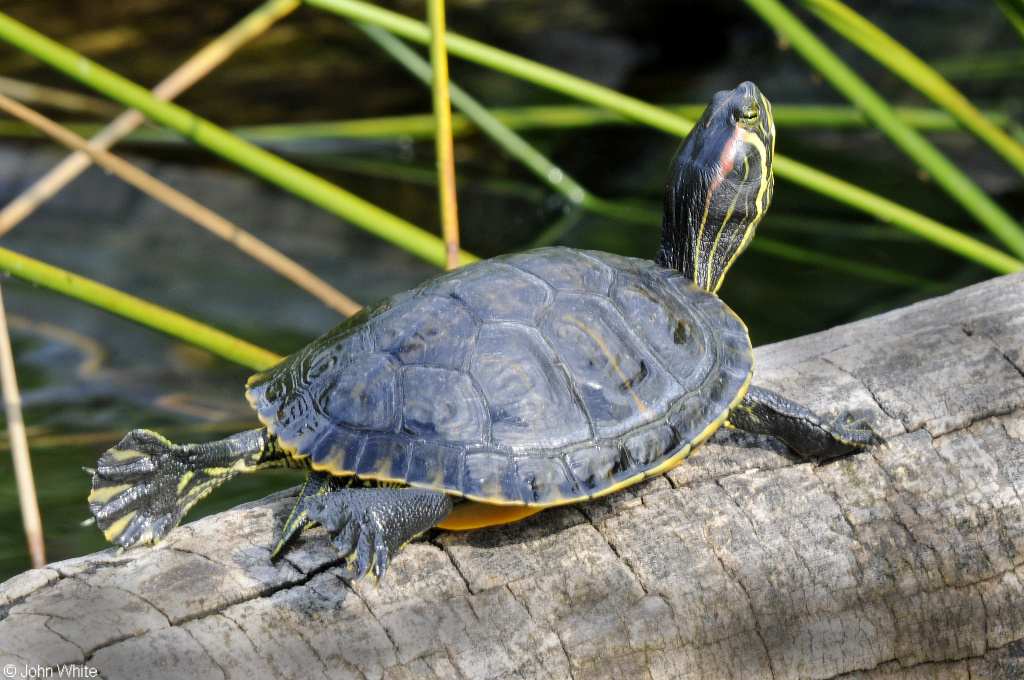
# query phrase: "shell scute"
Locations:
[[677, 333], [442, 404], [565, 269], [363, 395], [435, 465], [545, 480], [489, 475], [650, 444], [499, 293], [692, 420], [599, 467], [528, 394], [618, 379], [429, 329], [380, 457], [339, 445]]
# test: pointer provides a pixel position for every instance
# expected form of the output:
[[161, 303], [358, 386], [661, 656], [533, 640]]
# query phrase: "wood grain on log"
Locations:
[[744, 561]]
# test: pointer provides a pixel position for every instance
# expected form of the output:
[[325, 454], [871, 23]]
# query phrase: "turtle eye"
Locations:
[[748, 114]]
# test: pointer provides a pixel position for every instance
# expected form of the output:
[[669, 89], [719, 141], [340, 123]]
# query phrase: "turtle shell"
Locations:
[[536, 378]]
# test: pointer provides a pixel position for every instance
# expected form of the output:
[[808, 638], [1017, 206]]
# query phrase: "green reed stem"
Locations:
[[272, 168], [889, 211], [664, 120], [1013, 10], [860, 269], [421, 126], [521, 118], [955, 183], [130, 307], [916, 73], [443, 142], [513, 144]]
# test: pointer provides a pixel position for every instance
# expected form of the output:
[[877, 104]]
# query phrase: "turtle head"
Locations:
[[719, 186]]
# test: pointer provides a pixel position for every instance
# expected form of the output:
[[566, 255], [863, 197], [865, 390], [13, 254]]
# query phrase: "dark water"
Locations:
[[87, 377]]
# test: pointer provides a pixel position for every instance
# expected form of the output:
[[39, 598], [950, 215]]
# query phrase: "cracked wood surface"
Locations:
[[743, 562]]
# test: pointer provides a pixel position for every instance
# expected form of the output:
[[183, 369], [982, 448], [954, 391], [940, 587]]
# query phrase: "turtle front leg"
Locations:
[[143, 486], [317, 484], [764, 412], [373, 524]]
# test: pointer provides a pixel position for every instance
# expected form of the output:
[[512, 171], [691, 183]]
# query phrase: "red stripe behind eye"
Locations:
[[729, 151], [725, 161]]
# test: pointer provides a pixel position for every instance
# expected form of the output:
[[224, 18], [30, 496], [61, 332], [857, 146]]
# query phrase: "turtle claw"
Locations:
[[345, 541], [373, 524], [317, 484], [854, 431], [374, 559], [364, 536], [381, 557]]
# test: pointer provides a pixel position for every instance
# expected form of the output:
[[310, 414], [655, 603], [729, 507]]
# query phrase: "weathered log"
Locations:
[[744, 561]]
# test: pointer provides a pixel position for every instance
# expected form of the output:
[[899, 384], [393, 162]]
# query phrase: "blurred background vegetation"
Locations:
[[87, 376]]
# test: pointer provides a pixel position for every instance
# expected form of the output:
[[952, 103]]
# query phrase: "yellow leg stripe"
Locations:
[[106, 494], [184, 481], [126, 456], [118, 527]]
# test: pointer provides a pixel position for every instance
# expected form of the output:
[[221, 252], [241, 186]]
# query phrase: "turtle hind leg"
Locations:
[[764, 412], [372, 524], [143, 486]]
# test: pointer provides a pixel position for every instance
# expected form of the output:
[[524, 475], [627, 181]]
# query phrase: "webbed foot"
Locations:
[[373, 524], [764, 412], [134, 489], [851, 431], [143, 486]]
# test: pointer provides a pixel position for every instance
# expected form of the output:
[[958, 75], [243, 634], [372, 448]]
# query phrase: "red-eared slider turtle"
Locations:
[[510, 385]]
